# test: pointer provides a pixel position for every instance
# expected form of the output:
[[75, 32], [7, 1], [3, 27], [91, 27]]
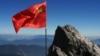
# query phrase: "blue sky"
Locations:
[[83, 14]]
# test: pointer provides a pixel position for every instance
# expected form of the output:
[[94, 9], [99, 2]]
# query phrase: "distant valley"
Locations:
[[12, 45], [21, 50]]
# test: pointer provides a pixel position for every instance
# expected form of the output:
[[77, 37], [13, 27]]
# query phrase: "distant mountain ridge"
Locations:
[[93, 37], [19, 37], [37, 39], [29, 40], [22, 50], [97, 41]]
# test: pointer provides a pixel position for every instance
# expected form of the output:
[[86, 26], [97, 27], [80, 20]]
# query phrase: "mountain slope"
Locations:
[[22, 50], [69, 42], [10, 50]]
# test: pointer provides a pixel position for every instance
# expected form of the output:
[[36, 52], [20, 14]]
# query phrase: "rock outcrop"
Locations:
[[69, 42]]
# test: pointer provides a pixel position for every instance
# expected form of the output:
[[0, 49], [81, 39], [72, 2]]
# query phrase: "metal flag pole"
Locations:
[[45, 38], [45, 41]]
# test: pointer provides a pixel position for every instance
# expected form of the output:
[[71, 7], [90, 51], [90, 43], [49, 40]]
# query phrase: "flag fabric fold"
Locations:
[[32, 17]]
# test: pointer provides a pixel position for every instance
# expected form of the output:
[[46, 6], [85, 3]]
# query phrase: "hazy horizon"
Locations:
[[20, 37]]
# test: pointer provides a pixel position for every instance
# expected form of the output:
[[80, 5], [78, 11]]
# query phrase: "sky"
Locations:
[[84, 15]]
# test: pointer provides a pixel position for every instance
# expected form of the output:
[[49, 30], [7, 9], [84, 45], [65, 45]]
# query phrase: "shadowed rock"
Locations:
[[69, 42]]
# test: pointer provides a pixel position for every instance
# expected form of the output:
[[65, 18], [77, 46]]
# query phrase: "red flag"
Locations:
[[33, 17]]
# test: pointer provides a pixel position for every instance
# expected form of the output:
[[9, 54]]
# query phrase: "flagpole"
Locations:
[[45, 41]]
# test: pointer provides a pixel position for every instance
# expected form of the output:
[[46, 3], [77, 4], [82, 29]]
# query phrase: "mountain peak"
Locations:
[[69, 42]]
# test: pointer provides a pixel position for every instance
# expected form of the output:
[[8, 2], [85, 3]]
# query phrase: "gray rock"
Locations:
[[69, 42]]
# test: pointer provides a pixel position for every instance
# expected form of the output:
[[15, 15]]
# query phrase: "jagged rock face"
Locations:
[[69, 42]]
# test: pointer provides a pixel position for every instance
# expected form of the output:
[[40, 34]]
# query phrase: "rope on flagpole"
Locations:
[[45, 41]]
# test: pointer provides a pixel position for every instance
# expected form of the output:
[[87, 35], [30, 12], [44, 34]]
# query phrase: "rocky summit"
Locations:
[[69, 42]]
